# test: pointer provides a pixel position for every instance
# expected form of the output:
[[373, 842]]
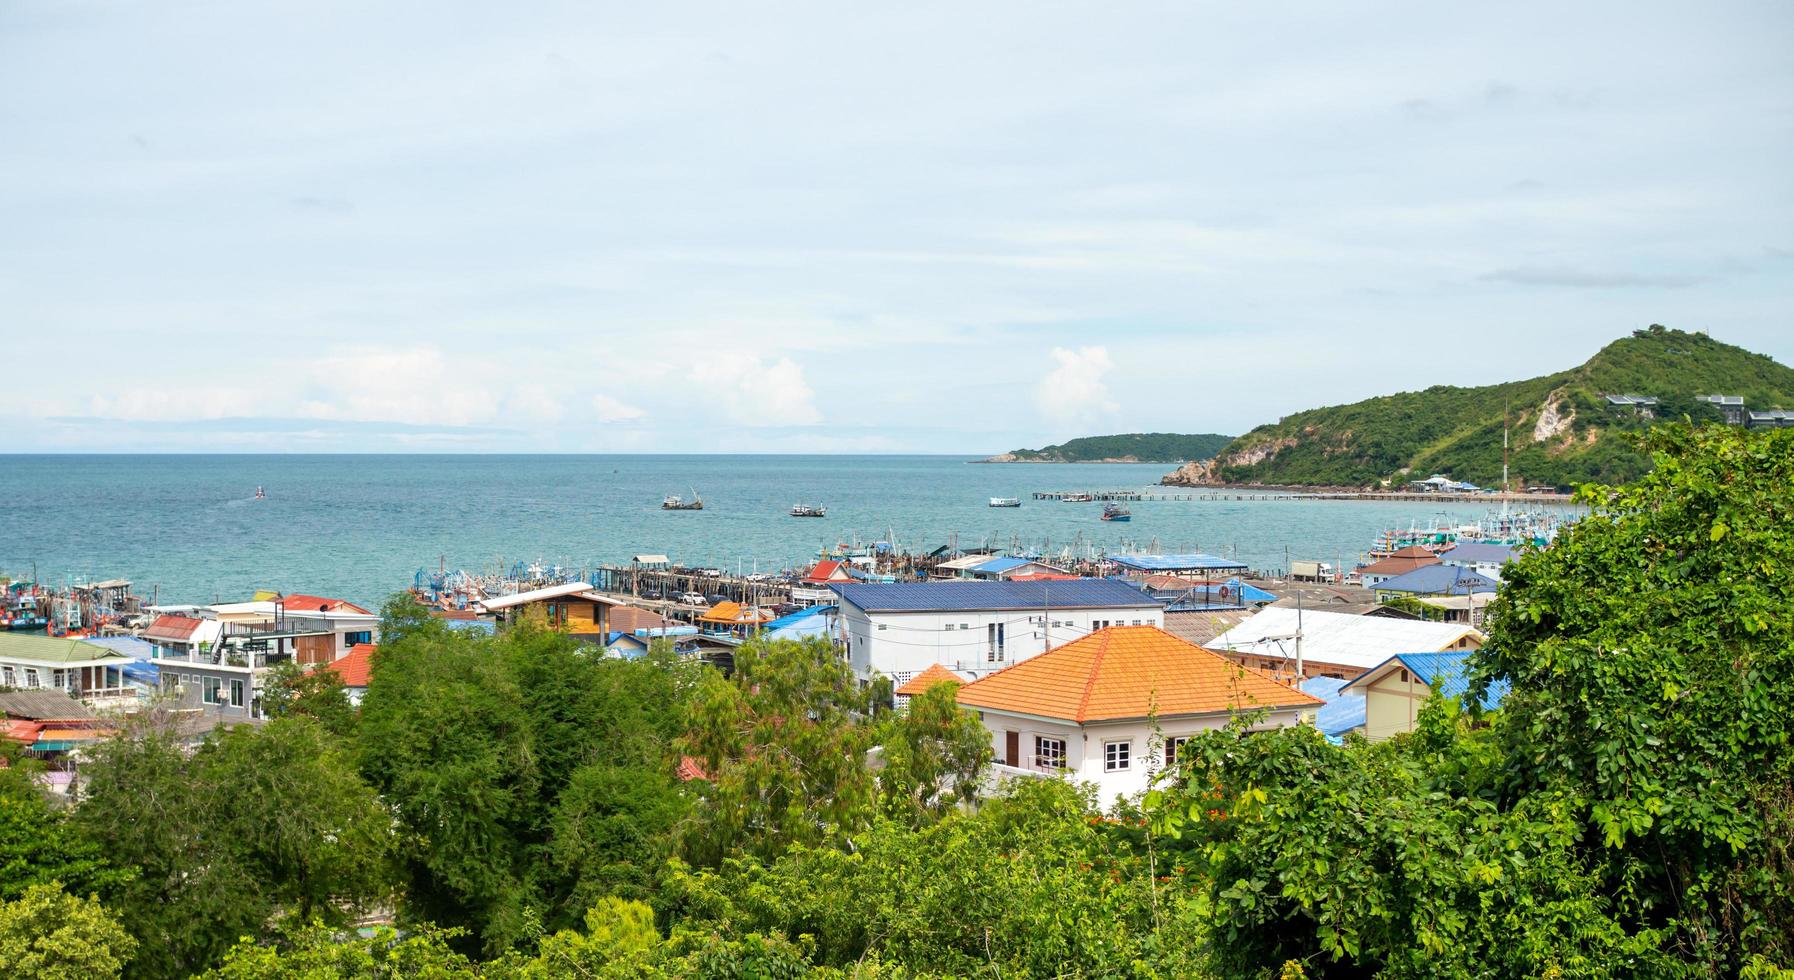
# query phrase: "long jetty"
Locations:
[[1219, 496]]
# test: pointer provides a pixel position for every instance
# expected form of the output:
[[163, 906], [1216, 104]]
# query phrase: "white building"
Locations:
[[1335, 644], [899, 630], [1112, 708], [247, 640]]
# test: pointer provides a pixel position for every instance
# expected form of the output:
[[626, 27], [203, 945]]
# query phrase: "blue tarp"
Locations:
[[1177, 563], [1341, 713]]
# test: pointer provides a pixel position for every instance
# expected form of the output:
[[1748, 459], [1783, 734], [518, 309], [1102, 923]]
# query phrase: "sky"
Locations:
[[856, 228]]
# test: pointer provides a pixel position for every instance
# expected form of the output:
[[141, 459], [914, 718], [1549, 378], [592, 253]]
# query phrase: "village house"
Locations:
[[574, 607], [1113, 707], [899, 630], [813, 586], [1334, 644], [1480, 557], [1395, 689], [1400, 562], [353, 669], [1436, 580], [919, 684], [229, 675], [86, 671]]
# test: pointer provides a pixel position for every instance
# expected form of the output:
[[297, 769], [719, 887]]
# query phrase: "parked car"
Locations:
[[694, 599]]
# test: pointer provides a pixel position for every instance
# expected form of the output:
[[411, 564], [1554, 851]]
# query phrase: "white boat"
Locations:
[[1005, 502], [808, 510]]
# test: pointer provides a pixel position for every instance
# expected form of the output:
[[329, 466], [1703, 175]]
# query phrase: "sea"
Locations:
[[361, 527]]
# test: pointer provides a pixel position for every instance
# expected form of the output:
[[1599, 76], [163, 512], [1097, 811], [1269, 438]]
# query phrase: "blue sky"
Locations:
[[828, 227]]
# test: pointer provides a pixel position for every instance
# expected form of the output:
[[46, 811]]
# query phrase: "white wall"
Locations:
[[909, 642], [1086, 755]]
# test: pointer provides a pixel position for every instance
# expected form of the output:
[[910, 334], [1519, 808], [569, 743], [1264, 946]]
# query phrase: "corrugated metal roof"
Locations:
[[1337, 638], [50, 649], [927, 596], [1177, 563], [997, 566], [38, 705], [580, 589], [1438, 580], [1449, 670], [1478, 551], [1343, 711]]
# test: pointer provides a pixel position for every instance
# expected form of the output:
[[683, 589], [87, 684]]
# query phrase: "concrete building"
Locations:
[[1480, 557], [228, 675], [1435, 580], [86, 671], [1395, 689], [574, 607], [1113, 707], [1401, 562], [899, 630]]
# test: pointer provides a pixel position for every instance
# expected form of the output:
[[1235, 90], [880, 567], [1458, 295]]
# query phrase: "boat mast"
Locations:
[[1506, 489]]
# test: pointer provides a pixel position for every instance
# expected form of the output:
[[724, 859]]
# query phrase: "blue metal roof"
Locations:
[[791, 619], [1342, 712], [1085, 593], [1478, 551], [130, 646], [1438, 579], [1177, 563], [1449, 670], [997, 566]]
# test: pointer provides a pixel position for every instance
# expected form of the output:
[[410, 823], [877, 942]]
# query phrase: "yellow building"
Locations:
[[1395, 689]]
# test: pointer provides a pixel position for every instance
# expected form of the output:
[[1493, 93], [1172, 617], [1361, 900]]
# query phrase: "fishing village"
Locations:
[[77, 657]]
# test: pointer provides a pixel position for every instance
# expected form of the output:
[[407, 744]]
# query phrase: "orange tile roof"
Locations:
[[1128, 672], [935, 674], [318, 603], [827, 570], [628, 619], [355, 666], [735, 613]]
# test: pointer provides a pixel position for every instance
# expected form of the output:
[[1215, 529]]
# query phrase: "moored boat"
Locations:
[[1116, 512], [808, 510], [1005, 502], [675, 502]]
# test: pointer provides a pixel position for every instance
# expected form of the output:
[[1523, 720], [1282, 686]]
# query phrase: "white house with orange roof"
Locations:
[[1112, 708]]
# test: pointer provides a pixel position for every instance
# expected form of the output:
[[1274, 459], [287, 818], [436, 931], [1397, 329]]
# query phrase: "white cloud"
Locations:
[[614, 410], [149, 402], [1075, 390], [753, 392], [399, 384]]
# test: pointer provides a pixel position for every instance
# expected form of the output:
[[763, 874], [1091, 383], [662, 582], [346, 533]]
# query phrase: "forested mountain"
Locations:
[[1131, 447], [1563, 430]]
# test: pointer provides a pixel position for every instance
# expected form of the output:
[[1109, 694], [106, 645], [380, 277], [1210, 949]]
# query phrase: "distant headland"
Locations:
[[1131, 447]]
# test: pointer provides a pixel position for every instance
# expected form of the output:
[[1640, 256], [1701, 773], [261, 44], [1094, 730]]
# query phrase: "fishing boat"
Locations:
[[675, 502], [260, 494], [808, 510], [1005, 501], [1116, 512]]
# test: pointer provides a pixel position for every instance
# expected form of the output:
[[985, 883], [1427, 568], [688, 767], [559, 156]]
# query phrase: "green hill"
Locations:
[[1563, 430], [1132, 447]]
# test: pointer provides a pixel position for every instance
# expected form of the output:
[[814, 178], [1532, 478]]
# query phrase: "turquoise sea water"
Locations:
[[186, 528]]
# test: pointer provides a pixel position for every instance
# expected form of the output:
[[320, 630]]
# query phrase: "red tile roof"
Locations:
[[355, 666], [1128, 672], [827, 571], [690, 769], [172, 628], [1401, 562], [318, 603], [935, 674]]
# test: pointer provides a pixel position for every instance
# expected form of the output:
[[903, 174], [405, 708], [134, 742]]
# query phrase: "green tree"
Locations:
[[255, 824], [38, 844], [784, 748], [294, 691], [318, 952], [935, 755], [1651, 652], [49, 935]]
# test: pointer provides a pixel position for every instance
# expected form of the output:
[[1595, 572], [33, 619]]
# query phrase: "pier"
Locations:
[[1224, 496]]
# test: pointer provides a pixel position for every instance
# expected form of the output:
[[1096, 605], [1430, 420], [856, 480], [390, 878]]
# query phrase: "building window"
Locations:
[[1173, 746], [881, 626], [1136, 622], [359, 636], [31, 681], [6, 676], [949, 627], [236, 694], [1404, 675], [210, 693], [1049, 753], [993, 652], [1117, 756]]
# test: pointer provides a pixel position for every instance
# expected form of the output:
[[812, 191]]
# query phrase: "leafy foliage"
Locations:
[[50, 935], [255, 824], [294, 691], [38, 844], [1458, 431], [1147, 447]]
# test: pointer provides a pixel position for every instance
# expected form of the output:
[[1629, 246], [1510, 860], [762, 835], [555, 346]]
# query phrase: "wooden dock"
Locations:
[[1230, 496]]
